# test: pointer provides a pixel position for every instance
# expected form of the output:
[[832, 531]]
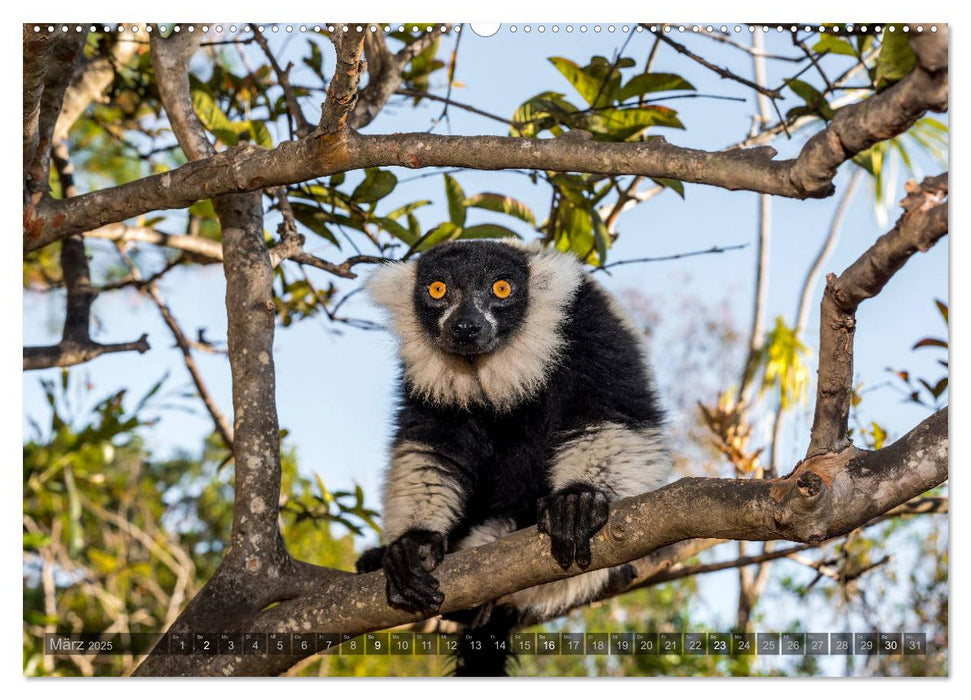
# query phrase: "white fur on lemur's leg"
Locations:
[[419, 493], [614, 459]]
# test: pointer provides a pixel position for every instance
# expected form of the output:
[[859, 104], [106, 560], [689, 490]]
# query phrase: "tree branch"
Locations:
[[38, 48], [922, 224], [76, 345], [249, 168], [822, 498], [342, 91], [385, 74], [68, 49]]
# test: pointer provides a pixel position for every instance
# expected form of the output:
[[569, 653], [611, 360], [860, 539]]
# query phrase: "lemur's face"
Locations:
[[471, 297]]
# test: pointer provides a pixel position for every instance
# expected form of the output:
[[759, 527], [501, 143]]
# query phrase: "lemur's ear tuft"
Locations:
[[391, 285]]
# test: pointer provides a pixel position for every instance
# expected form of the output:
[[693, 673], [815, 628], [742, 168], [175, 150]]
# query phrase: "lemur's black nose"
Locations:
[[466, 328]]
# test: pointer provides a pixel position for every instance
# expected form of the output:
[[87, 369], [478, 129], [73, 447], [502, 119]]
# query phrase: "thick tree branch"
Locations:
[[250, 311], [342, 91], [822, 498], [857, 127], [38, 48], [68, 50], [249, 168], [922, 224]]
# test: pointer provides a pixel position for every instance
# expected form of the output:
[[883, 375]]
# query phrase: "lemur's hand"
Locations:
[[407, 566], [571, 516]]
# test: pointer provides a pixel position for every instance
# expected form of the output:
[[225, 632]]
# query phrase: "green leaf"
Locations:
[[670, 183], [408, 208], [587, 85], [896, 59], [502, 204], [834, 44], [376, 185], [879, 435], [213, 118], [652, 82], [35, 540], [539, 113], [396, 229], [258, 132], [488, 231], [456, 201], [629, 124], [813, 98], [601, 238], [574, 230], [315, 219], [446, 231]]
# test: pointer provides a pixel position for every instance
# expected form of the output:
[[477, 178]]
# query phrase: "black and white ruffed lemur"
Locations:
[[525, 400]]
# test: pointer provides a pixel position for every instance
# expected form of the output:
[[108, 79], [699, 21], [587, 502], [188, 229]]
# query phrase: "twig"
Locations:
[[723, 72], [751, 50], [150, 288], [300, 126], [453, 62], [677, 256], [408, 92]]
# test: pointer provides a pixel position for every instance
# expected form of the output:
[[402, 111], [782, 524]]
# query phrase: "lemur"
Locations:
[[525, 399]]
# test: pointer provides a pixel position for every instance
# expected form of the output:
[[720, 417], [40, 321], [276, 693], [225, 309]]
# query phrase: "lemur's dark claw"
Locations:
[[408, 562], [571, 516]]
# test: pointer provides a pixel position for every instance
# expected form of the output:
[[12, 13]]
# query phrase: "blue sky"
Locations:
[[334, 384]]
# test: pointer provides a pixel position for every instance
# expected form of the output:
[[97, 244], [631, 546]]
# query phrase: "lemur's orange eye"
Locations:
[[502, 289], [436, 290]]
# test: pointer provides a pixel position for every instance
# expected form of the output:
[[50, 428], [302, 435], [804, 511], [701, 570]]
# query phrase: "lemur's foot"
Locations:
[[408, 562], [571, 516]]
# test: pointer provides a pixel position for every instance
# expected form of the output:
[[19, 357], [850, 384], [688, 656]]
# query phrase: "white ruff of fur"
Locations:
[[546, 599], [614, 459], [501, 379], [418, 493]]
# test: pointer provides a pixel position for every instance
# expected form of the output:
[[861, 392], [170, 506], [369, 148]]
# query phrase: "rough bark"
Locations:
[[922, 224]]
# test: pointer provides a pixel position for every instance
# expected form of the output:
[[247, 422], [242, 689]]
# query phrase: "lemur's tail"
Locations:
[[485, 648]]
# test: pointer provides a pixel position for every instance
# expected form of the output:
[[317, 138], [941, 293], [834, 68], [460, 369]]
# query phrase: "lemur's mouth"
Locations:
[[469, 347]]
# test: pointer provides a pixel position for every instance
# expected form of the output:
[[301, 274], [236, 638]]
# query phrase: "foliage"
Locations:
[[117, 540], [785, 368]]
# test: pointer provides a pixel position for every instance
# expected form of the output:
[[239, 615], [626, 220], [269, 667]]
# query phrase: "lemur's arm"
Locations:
[[425, 494], [602, 462]]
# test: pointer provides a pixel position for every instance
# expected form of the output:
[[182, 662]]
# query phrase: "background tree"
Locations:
[[207, 132]]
